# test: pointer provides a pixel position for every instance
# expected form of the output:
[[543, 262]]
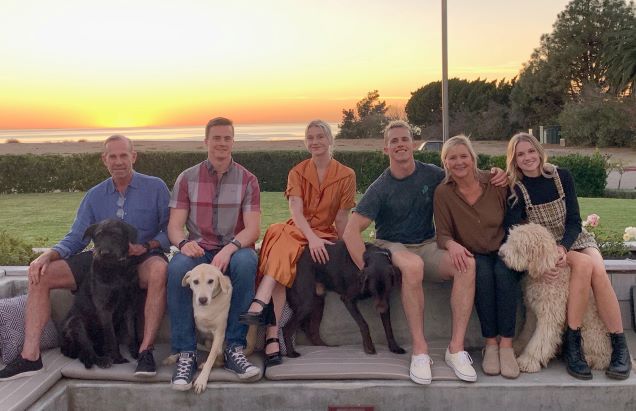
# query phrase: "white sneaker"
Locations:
[[461, 362], [420, 371]]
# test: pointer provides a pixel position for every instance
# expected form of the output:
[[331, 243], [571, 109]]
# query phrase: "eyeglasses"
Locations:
[[120, 203]]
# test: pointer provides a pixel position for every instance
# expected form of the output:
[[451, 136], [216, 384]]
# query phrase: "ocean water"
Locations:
[[243, 132]]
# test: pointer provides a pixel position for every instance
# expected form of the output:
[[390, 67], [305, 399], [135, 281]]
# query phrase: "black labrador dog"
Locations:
[[340, 274], [106, 300]]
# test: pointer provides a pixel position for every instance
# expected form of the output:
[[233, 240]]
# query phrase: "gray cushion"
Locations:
[[350, 362], [12, 312], [126, 372]]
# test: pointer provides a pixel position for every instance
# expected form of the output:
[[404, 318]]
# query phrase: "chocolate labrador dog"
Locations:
[[340, 274], [106, 300]]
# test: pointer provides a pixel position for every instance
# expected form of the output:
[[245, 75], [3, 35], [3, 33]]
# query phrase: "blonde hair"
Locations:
[[326, 129], [459, 140], [396, 124], [512, 168]]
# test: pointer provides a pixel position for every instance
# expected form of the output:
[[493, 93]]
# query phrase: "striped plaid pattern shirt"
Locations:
[[216, 202]]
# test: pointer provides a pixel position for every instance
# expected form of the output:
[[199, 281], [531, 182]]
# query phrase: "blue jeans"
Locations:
[[242, 273], [496, 296]]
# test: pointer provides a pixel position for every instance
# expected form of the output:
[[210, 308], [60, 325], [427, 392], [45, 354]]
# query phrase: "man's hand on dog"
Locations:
[[317, 249], [136, 249], [222, 259]]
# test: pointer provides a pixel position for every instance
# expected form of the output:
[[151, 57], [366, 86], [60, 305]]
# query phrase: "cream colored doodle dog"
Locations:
[[531, 248], [211, 295]]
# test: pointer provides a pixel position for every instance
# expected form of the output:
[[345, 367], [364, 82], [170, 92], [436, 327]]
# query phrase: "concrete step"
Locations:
[[552, 388]]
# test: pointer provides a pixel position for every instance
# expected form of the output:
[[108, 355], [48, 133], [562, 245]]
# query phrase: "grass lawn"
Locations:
[[43, 219]]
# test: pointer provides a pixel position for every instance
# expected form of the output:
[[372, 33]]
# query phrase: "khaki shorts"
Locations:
[[427, 251]]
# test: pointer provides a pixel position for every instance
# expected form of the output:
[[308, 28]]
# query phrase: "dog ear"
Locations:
[[225, 283], [185, 281], [90, 231], [132, 234]]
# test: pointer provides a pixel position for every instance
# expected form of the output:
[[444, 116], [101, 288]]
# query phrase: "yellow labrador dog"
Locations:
[[211, 295]]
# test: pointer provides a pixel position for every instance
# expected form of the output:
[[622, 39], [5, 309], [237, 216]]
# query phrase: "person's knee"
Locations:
[[412, 272], [178, 267], [467, 276], [581, 267], [244, 258]]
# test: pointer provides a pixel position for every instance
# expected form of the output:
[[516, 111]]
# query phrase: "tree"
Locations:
[[570, 58], [471, 104], [367, 121], [599, 119], [620, 58]]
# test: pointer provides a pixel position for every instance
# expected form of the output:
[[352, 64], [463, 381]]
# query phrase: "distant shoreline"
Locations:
[[628, 156]]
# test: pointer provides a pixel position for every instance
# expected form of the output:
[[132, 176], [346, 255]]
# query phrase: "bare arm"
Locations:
[[176, 233], [353, 237], [316, 244], [247, 236], [341, 221]]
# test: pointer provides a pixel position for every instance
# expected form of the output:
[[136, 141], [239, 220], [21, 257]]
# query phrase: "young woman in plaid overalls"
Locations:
[[545, 195]]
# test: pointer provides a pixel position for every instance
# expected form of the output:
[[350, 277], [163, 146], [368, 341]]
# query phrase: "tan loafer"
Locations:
[[490, 363], [508, 363]]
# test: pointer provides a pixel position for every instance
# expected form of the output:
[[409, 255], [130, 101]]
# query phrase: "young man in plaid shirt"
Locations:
[[218, 202]]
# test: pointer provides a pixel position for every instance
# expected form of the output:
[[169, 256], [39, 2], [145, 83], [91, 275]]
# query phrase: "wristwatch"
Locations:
[[182, 243], [147, 246], [236, 242]]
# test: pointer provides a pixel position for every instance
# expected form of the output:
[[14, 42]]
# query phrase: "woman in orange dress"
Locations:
[[321, 192]]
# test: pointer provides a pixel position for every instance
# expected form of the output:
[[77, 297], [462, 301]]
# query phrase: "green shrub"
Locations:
[[14, 251], [79, 172]]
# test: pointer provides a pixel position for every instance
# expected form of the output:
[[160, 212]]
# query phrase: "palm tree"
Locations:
[[620, 58]]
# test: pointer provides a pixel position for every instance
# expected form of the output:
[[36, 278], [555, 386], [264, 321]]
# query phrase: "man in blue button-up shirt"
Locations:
[[139, 200]]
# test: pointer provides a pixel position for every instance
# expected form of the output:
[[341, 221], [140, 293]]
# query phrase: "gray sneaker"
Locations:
[[236, 361], [184, 371]]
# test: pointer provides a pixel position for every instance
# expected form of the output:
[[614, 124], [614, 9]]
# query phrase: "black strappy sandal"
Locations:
[[273, 358], [265, 317]]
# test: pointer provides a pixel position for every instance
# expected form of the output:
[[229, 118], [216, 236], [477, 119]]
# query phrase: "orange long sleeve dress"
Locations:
[[284, 242]]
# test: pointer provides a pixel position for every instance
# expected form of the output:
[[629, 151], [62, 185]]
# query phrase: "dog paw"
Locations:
[[527, 364], [397, 350], [120, 360], [104, 362], [370, 350], [200, 385]]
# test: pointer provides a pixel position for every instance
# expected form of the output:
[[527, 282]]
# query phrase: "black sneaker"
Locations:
[[235, 361], [184, 371], [19, 368], [146, 364]]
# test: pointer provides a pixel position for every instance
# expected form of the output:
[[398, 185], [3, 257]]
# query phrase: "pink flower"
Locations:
[[592, 220]]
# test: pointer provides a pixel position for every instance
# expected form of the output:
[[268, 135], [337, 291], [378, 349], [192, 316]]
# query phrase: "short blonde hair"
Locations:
[[459, 140], [326, 129], [396, 124]]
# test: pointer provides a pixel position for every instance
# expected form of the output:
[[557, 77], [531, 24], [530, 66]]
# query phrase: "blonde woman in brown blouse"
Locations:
[[469, 220]]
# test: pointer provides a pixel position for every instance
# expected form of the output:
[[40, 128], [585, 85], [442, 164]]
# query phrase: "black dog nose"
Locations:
[[203, 300]]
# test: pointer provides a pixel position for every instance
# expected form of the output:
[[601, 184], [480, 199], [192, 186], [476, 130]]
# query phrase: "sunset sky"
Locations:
[[85, 63]]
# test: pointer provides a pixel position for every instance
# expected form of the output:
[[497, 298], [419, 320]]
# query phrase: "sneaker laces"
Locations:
[[420, 360], [465, 358], [238, 357], [184, 366]]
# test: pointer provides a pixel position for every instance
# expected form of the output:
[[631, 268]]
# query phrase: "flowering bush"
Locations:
[[630, 234], [609, 243]]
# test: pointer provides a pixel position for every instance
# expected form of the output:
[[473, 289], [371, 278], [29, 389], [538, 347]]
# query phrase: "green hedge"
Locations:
[[45, 173]]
